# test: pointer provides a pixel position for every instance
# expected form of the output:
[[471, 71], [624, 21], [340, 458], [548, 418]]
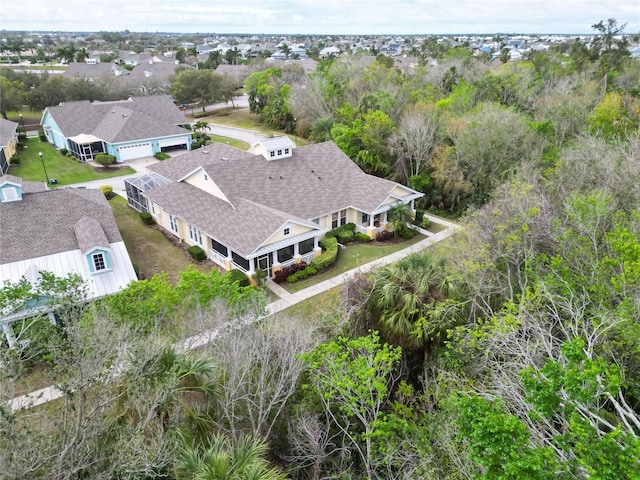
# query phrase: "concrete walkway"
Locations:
[[286, 299]]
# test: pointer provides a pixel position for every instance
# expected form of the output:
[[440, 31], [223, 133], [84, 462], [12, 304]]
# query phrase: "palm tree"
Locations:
[[414, 302], [286, 49], [400, 217], [225, 460], [184, 388]]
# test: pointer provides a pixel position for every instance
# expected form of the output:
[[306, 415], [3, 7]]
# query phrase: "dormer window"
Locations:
[[206, 177], [286, 151], [99, 262], [279, 152], [272, 154]]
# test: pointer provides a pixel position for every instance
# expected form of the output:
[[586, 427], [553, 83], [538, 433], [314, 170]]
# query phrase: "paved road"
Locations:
[[286, 300], [249, 136]]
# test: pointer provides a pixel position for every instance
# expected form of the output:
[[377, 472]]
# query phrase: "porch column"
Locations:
[[371, 221], [11, 336]]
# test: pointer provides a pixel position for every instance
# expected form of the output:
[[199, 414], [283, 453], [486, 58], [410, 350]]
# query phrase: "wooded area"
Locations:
[[512, 351]]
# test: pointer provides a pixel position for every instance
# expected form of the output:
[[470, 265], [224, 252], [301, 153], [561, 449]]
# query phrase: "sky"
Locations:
[[334, 17]]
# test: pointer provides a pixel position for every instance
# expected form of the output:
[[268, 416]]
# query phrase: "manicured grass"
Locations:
[[65, 170], [148, 248], [321, 308], [352, 256], [29, 117], [244, 119], [230, 141]]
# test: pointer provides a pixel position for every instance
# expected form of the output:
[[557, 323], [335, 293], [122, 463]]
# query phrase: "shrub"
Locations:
[[22, 134], [282, 274], [196, 144], [200, 114], [107, 190], [105, 160], [15, 160], [407, 233], [300, 274], [419, 217], [238, 276], [161, 155], [63, 151], [196, 252], [384, 235], [41, 135], [328, 256], [147, 219], [344, 234], [362, 237]]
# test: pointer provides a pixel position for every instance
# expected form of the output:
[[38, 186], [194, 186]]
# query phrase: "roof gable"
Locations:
[[90, 234]]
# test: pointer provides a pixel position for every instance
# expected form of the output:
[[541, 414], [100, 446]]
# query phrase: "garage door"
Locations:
[[135, 151], [173, 144]]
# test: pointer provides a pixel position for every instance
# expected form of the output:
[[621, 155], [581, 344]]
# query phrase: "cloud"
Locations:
[[329, 16]]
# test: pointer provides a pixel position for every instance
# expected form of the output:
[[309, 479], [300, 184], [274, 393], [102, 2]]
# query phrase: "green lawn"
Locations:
[[244, 119], [29, 117], [65, 170], [230, 141], [148, 248], [351, 257], [323, 308]]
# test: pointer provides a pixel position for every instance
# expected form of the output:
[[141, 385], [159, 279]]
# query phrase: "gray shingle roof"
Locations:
[[317, 180], [90, 234], [122, 121], [43, 223], [243, 228], [7, 131]]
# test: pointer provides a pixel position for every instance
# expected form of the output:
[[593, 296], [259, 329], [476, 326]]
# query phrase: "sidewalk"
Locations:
[[286, 300]]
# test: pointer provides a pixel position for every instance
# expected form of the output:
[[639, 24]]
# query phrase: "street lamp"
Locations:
[[43, 167], [21, 120]]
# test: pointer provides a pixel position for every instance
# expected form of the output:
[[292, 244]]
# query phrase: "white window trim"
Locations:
[[173, 222], [195, 234]]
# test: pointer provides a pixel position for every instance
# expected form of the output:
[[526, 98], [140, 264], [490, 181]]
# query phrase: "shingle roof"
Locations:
[[43, 223], [128, 120], [317, 180], [7, 131], [243, 227], [90, 234]]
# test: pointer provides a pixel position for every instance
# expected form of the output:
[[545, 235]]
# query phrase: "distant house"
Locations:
[[8, 143], [94, 72], [128, 129], [60, 231], [264, 211]]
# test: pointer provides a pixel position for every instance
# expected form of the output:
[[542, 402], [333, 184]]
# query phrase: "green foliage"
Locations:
[[238, 276], [15, 159], [63, 151], [161, 155], [147, 218], [499, 443], [197, 252], [105, 160], [201, 114], [303, 273], [344, 234], [328, 256], [145, 304], [107, 190], [612, 119], [362, 237]]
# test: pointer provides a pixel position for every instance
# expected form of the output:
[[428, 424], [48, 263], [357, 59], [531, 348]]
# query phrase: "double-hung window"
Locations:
[[173, 221], [195, 234]]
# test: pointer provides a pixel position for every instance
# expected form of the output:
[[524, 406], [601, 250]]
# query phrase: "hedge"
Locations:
[[201, 114], [107, 190], [238, 276], [328, 256], [161, 155], [196, 252], [147, 219], [362, 237]]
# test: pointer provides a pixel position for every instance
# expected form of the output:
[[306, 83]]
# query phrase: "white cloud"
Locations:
[[330, 16]]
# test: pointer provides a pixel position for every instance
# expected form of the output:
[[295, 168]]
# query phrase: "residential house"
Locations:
[[61, 231], [133, 128], [94, 72], [8, 143], [264, 211]]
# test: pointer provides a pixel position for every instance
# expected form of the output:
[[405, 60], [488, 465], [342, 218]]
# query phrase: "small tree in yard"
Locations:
[[105, 160]]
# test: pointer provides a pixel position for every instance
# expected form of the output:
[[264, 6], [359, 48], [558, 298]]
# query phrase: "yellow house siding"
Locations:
[[398, 191], [10, 149], [294, 229], [164, 219], [197, 179]]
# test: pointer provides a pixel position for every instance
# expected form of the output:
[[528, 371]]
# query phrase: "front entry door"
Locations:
[[264, 263]]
